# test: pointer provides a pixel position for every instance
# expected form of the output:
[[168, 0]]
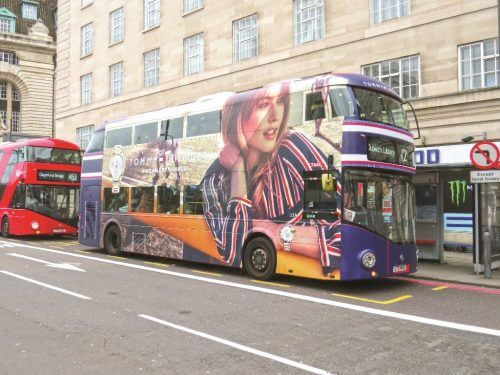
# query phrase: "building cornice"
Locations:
[[25, 42]]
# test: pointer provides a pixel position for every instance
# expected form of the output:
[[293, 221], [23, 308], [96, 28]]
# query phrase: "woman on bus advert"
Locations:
[[258, 177]]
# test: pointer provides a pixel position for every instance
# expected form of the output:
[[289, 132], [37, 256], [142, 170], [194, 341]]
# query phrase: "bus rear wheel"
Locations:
[[5, 227], [259, 259], [113, 240]]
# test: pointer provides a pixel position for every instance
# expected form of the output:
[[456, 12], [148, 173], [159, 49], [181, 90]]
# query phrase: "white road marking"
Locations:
[[45, 285], [281, 293], [244, 348], [65, 266]]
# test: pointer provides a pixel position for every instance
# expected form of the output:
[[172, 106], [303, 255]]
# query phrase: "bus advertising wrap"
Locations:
[[197, 185]]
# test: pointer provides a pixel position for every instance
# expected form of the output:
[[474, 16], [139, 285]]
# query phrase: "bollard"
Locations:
[[487, 255]]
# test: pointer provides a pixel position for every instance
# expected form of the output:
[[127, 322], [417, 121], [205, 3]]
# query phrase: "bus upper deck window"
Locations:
[[315, 106], [96, 143], [146, 133], [342, 103]]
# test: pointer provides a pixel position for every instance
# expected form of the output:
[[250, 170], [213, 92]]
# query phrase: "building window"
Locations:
[[309, 21], [7, 20], [116, 79], [86, 2], [402, 75], [193, 55], [30, 9], [152, 68], [190, 5], [86, 40], [16, 122], [83, 136], [116, 26], [383, 10], [15, 94], [3, 90], [479, 65], [151, 13], [86, 89], [245, 38], [3, 118], [9, 57]]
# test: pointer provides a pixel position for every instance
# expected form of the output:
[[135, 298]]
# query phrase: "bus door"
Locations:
[[89, 218], [428, 219]]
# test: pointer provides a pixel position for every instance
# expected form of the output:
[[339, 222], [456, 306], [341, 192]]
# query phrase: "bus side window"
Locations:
[[169, 200], [320, 191], [175, 127], [96, 143], [115, 202], [193, 200], [142, 199], [121, 137], [203, 123], [145, 133], [19, 198], [315, 107]]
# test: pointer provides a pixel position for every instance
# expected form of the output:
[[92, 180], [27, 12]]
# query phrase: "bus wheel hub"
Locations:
[[259, 259]]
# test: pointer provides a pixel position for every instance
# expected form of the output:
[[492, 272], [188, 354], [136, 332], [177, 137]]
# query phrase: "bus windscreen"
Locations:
[[374, 106], [52, 155]]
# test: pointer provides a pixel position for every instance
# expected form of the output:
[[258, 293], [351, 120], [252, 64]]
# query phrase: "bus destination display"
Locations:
[[390, 151], [58, 176]]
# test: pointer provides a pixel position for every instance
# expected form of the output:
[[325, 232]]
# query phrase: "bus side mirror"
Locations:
[[327, 181]]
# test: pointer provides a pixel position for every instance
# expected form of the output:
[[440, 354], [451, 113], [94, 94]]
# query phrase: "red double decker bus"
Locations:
[[39, 187]]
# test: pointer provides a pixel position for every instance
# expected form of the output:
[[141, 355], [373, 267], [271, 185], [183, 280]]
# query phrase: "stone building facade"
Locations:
[[282, 39], [27, 66]]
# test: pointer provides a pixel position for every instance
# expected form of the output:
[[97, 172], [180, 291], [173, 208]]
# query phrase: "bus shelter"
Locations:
[[452, 213]]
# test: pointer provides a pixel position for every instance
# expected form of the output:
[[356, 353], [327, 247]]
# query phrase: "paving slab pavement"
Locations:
[[458, 268]]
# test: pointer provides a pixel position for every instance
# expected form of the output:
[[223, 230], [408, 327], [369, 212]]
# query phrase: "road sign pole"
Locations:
[[487, 255]]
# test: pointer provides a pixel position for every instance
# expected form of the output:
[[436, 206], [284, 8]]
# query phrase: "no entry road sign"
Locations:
[[485, 155]]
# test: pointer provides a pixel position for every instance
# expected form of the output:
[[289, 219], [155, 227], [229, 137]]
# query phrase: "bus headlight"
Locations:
[[368, 260], [35, 225]]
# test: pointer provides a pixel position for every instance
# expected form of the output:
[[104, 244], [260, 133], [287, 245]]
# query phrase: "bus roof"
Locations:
[[217, 100], [40, 142]]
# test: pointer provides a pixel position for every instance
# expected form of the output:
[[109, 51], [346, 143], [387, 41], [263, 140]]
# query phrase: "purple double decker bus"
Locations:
[[308, 177]]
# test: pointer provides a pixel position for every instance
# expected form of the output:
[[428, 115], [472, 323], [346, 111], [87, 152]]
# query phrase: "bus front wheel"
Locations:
[[259, 259], [5, 227], [113, 240]]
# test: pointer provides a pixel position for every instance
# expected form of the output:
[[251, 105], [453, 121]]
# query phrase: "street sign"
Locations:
[[483, 177], [485, 155]]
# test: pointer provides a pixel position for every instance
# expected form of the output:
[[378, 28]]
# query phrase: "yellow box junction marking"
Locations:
[[116, 257], [269, 283], [157, 264], [387, 302], [207, 273], [440, 288]]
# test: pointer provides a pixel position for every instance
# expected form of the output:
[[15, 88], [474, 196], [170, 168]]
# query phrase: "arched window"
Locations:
[[10, 107]]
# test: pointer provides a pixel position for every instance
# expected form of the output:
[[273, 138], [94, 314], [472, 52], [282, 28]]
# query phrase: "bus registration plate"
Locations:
[[401, 268], [59, 230]]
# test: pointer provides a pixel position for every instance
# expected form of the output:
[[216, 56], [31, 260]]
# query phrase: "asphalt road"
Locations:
[[132, 314]]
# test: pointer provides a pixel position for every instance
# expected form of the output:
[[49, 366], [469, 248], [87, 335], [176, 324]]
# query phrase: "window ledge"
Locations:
[[115, 43], [87, 55], [86, 5], [192, 11], [151, 28]]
